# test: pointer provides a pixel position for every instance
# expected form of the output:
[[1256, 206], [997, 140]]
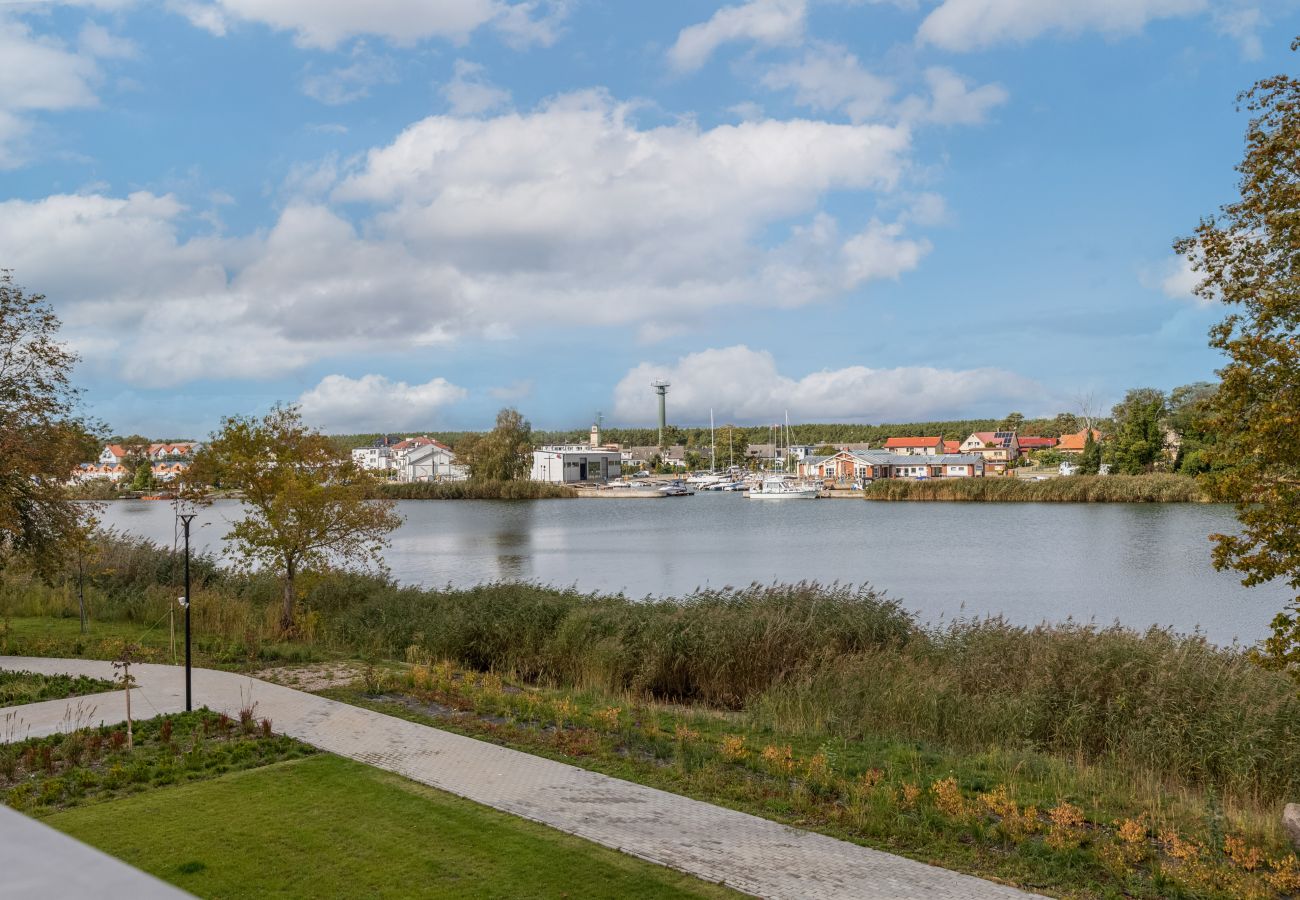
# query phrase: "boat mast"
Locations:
[[713, 445]]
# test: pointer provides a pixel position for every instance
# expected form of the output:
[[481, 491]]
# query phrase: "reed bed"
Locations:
[[1067, 489], [817, 660], [475, 490]]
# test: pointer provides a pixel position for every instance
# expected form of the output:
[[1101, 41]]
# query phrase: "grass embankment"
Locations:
[[1066, 489], [18, 688], [475, 490], [1165, 732], [329, 827]]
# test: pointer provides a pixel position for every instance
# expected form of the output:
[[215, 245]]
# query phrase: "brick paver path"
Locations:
[[748, 853]]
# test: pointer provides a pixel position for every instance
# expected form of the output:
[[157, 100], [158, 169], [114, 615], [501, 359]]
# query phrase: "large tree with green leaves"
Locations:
[[41, 440], [306, 503], [1138, 444], [1248, 258], [504, 453]]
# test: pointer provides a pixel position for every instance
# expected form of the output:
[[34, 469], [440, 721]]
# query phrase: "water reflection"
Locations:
[[1136, 563]]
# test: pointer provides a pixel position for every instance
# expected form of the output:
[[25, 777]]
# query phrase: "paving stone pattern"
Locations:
[[745, 852]]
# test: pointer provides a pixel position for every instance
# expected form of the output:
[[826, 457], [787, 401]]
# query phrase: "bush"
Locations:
[[1068, 489], [475, 490]]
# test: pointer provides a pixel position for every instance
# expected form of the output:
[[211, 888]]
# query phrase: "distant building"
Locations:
[[863, 466], [1073, 443], [915, 446], [1028, 443], [423, 459], [999, 449], [576, 463]]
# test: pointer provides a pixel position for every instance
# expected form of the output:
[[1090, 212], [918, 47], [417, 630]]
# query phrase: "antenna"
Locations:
[[661, 388]]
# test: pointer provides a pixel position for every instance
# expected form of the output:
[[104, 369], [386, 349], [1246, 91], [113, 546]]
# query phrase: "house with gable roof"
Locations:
[[915, 446]]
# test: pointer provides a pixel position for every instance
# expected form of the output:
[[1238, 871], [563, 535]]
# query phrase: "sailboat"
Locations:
[[781, 487]]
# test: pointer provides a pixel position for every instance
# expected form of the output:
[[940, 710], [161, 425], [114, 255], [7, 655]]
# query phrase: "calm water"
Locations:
[[1138, 564]]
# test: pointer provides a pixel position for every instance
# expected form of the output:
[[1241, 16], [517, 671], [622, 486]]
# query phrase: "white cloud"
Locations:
[[973, 24], [345, 84], [1174, 278], [953, 101], [533, 22], [568, 215], [325, 24], [374, 403], [41, 73], [828, 78], [1243, 24], [769, 22], [744, 385], [470, 94]]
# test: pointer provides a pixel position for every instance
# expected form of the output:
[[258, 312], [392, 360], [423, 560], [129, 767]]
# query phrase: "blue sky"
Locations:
[[407, 213]]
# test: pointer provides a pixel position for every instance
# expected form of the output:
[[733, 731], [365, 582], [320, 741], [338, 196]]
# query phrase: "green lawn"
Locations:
[[328, 827], [18, 688]]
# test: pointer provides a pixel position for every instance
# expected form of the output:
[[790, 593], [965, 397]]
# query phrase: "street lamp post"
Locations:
[[186, 518]]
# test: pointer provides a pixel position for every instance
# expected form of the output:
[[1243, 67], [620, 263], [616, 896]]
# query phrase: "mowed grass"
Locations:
[[329, 827]]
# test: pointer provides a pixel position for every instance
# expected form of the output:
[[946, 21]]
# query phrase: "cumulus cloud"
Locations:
[[41, 73], [470, 93], [375, 403], [744, 385], [324, 24], [569, 214], [768, 22], [828, 78], [974, 24]]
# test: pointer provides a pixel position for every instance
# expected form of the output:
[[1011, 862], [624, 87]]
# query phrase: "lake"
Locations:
[[1139, 564]]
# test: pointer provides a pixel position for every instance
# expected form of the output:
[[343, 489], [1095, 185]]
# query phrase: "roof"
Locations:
[[1036, 443], [994, 438], [951, 446], [936, 442], [1077, 440]]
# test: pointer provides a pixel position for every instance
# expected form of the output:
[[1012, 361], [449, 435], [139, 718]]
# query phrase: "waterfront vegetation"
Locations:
[[1156, 488], [474, 490], [1114, 733], [18, 688]]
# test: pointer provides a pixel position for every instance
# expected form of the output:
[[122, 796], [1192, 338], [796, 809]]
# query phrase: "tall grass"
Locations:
[[475, 490], [818, 660], [1069, 489]]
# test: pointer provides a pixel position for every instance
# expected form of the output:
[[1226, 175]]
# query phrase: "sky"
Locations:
[[405, 214]]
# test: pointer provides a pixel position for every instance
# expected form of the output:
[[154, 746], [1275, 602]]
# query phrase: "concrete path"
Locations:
[[745, 852], [37, 861]]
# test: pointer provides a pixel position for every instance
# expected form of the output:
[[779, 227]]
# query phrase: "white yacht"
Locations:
[[781, 489]]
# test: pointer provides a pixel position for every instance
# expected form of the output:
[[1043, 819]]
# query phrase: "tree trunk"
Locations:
[[286, 611]]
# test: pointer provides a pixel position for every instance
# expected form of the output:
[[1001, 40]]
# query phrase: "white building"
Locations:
[[373, 459], [572, 463], [427, 461]]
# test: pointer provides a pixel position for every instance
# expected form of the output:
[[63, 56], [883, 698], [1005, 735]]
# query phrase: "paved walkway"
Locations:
[[37, 861], [748, 853]]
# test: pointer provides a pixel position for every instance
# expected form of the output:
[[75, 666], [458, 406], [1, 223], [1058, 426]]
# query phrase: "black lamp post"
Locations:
[[186, 518]]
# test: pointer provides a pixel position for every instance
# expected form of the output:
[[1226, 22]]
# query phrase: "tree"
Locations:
[[1064, 423], [503, 454], [1139, 440], [1247, 259], [306, 502], [1090, 459], [1189, 405], [733, 445], [41, 442], [143, 479], [1012, 422]]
